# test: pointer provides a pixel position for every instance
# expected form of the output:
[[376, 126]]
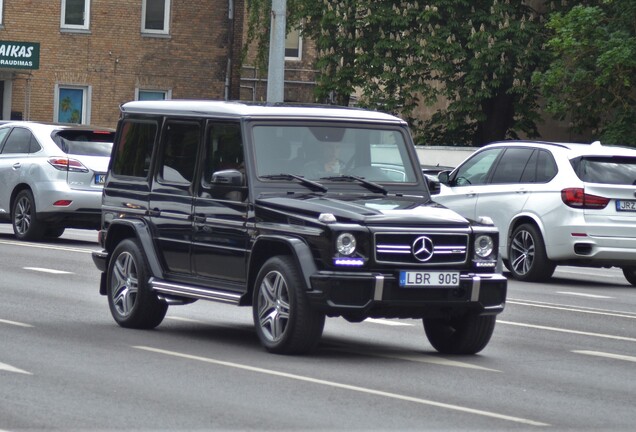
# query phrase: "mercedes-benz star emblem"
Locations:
[[423, 248]]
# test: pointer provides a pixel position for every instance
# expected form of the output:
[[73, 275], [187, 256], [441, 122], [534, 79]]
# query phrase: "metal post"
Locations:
[[276, 68]]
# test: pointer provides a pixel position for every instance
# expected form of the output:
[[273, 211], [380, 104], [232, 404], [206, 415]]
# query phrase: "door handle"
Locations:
[[17, 165]]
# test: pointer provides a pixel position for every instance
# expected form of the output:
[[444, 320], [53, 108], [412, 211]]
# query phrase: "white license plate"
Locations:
[[100, 179], [428, 279], [626, 205]]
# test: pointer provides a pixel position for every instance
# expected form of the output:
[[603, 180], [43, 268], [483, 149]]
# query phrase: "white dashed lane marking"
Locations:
[[348, 387]]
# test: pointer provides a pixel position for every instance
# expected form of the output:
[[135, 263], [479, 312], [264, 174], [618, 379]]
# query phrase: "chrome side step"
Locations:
[[189, 291]]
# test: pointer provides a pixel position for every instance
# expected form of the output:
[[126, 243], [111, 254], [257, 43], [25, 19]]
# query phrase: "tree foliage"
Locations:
[[474, 58], [592, 73]]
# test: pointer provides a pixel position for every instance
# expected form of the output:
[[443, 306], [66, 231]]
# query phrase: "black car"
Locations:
[[290, 210]]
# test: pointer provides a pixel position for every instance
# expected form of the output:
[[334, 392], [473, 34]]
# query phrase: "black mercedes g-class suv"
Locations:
[[301, 212]]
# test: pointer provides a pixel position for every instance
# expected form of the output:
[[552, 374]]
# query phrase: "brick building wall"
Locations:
[[114, 58]]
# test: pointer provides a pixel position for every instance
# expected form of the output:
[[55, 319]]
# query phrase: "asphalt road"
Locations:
[[563, 357]]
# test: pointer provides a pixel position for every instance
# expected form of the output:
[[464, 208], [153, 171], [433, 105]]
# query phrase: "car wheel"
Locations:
[[527, 256], [284, 320], [467, 334], [132, 303], [25, 223], [630, 274]]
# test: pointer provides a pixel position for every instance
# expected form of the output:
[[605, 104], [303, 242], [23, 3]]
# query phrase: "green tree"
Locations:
[[592, 74], [478, 56]]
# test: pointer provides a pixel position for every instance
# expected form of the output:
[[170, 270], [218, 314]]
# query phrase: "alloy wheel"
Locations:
[[125, 284], [23, 215], [522, 252], [273, 306]]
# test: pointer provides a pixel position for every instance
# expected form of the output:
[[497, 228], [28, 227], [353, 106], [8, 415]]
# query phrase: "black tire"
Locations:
[[467, 334], [630, 274], [24, 218], [527, 256], [55, 232], [284, 320], [132, 303], [506, 264]]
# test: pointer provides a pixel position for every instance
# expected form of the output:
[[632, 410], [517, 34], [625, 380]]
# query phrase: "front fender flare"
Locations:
[[296, 247]]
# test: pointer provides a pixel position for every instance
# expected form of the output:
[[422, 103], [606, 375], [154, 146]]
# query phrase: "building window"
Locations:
[[152, 94], [75, 14], [1, 12], [72, 104], [293, 45], [155, 16]]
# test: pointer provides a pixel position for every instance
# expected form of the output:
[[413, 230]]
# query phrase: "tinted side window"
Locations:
[[541, 168], [3, 134], [34, 145], [223, 149], [511, 165], [181, 142], [134, 148], [530, 172], [546, 167], [17, 142], [475, 170]]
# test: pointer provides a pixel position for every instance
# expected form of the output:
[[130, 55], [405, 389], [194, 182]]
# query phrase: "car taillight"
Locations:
[[67, 164], [577, 198]]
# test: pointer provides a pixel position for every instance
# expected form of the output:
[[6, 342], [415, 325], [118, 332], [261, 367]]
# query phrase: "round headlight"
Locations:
[[484, 246], [346, 244]]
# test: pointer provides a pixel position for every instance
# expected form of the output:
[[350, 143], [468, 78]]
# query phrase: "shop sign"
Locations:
[[19, 55]]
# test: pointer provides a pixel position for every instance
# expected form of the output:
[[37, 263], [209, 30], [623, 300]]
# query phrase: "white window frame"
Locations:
[[87, 17], [86, 101], [300, 45], [166, 19], [167, 93], [1, 12]]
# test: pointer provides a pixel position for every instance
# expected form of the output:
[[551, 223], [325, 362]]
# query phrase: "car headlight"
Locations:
[[346, 244], [484, 246]]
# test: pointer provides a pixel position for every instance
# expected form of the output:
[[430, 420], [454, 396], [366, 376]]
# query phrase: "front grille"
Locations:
[[397, 248]]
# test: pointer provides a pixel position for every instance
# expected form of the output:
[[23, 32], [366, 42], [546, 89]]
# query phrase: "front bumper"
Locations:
[[379, 295]]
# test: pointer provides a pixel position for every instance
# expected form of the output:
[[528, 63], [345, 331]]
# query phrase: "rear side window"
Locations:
[[19, 141], [618, 170], [541, 168], [134, 148], [84, 142], [511, 165]]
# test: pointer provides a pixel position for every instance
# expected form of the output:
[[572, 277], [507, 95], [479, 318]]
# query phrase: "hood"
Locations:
[[367, 210]]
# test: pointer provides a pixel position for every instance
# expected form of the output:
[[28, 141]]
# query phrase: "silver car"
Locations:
[[51, 177], [554, 204]]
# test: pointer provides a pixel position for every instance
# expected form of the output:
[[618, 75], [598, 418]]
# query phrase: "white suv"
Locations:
[[52, 177], [554, 204]]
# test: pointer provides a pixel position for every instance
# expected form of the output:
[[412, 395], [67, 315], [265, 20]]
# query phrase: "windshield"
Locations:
[[324, 152], [84, 142]]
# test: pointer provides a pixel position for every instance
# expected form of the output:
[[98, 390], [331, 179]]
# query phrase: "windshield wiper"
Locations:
[[313, 185], [375, 187]]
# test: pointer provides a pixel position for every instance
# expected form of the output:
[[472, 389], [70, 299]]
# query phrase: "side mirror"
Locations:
[[433, 184], [444, 177], [230, 177]]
